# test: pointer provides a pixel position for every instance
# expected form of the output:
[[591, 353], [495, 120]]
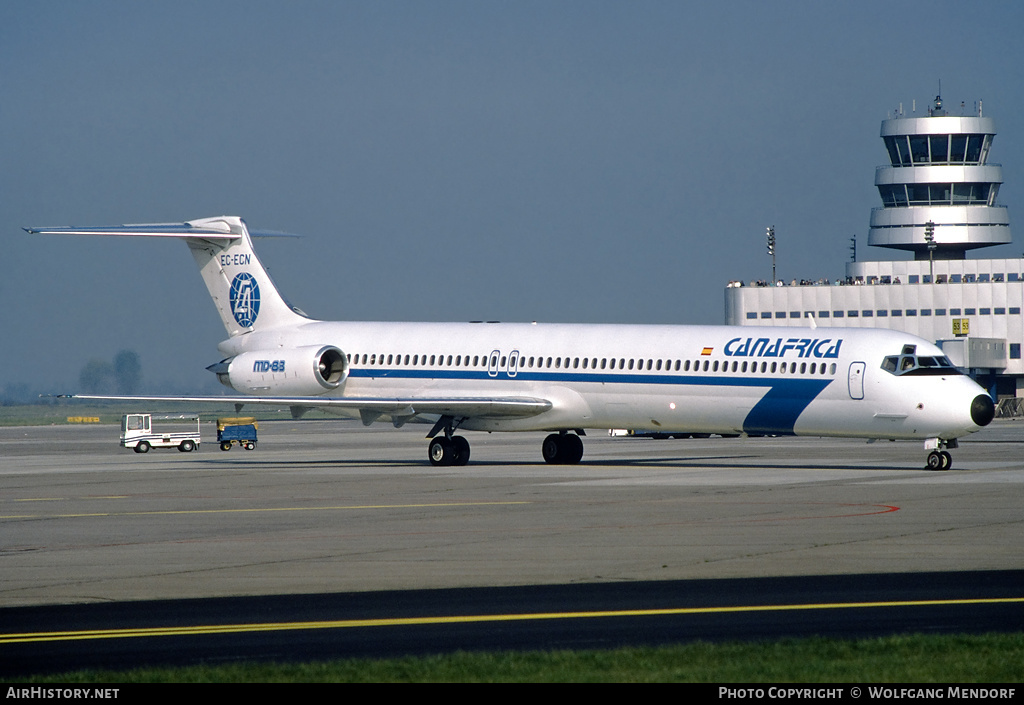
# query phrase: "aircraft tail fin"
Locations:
[[242, 290]]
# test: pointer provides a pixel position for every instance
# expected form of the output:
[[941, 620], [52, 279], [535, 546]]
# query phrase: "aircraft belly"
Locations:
[[691, 408], [863, 419], [723, 408], [694, 408]]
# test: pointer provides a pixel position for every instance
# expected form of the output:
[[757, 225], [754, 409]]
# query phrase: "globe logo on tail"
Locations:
[[245, 299]]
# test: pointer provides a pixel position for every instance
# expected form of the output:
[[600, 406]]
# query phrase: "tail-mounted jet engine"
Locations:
[[307, 371]]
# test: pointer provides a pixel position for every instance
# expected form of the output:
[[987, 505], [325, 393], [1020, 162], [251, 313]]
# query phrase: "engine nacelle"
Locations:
[[307, 371]]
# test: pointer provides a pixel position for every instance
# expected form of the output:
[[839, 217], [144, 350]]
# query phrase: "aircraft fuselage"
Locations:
[[706, 379]]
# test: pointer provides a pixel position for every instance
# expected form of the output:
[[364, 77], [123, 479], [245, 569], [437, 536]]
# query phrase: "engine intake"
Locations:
[[310, 370]]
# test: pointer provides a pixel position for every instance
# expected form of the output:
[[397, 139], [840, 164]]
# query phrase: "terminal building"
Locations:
[[938, 195]]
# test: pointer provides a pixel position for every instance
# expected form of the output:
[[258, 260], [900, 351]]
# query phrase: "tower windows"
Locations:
[[917, 150]]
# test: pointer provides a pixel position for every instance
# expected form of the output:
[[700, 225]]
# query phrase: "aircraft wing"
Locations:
[[369, 408]]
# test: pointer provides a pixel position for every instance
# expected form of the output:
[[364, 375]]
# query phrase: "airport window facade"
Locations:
[[944, 194], [911, 150], [885, 313]]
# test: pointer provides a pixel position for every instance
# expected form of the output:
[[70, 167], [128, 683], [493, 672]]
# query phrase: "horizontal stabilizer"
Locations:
[[218, 231]]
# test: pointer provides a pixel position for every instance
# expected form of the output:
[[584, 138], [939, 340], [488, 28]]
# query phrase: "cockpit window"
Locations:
[[910, 364]]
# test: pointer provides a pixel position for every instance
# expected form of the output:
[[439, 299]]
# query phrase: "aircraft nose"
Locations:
[[982, 410]]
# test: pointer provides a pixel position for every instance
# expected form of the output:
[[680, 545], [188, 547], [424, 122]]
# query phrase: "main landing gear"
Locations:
[[939, 458], [562, 449], [447, 449]]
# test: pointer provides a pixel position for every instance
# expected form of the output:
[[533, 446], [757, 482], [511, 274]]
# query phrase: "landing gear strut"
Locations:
[[447, 449], [939, 458], [562, 449]]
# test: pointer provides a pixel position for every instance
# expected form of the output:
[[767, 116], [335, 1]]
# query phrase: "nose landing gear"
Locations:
[[939, 458]]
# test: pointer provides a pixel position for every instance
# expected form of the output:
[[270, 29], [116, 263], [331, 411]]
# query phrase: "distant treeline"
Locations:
[[122, 376]]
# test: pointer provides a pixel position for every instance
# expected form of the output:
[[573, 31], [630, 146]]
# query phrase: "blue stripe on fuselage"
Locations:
[[775, 413]]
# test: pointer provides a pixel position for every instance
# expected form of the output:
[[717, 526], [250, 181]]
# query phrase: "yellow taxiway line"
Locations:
[[18, 638]]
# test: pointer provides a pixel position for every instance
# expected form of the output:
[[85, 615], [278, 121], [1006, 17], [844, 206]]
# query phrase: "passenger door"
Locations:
[[856, 380]]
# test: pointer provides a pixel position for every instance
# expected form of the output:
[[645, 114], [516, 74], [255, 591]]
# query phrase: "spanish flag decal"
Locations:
[[706, 351]]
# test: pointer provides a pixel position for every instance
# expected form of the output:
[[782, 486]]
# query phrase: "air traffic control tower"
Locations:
[[938, 173], [938, 195]]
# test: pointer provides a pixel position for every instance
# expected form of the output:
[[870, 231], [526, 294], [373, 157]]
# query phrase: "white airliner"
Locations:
[[564, 378]]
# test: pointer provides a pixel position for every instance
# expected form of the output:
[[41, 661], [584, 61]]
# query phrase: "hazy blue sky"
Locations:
[[554, 161]]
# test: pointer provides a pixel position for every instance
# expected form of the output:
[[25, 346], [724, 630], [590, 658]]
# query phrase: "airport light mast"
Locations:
[[929, 237]]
